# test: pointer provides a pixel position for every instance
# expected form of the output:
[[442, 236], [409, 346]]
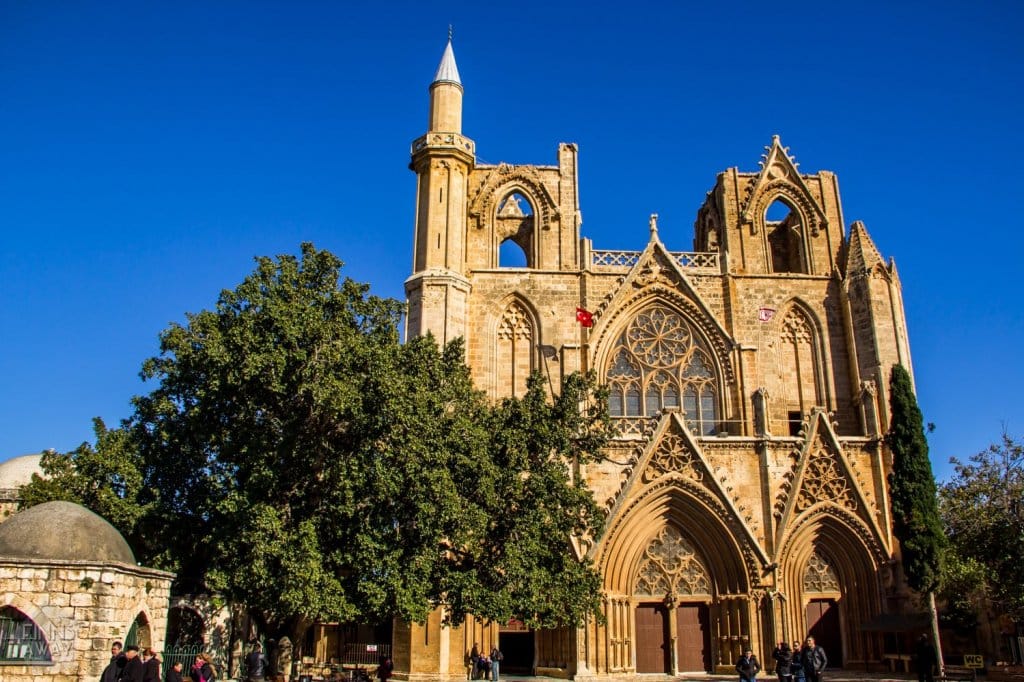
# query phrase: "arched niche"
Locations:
[[516, 338], [800, 363]]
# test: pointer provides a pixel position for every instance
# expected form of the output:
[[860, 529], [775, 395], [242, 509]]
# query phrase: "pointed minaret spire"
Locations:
[[447, 71], [446, 94]]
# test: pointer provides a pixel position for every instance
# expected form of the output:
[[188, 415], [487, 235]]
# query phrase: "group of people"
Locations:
[[127, 664], [485, 667], [794, 663]]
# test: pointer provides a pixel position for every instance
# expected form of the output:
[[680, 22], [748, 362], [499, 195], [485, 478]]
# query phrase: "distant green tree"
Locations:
[[912, 495], [299, 459], [982, 509]]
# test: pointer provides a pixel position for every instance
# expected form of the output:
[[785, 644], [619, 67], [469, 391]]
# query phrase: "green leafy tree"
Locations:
[[982, 508], [912, 495], [299, 459]]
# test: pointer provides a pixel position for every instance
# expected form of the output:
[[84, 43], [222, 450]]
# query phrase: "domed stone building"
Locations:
[[69, 586]]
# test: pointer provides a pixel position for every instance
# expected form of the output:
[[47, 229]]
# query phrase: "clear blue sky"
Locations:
[[148, 151]]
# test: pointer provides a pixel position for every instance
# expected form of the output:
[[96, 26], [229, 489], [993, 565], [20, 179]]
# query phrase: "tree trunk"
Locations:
[[936, 640]]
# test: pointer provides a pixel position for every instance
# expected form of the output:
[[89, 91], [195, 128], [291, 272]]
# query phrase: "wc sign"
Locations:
[[973, 661]]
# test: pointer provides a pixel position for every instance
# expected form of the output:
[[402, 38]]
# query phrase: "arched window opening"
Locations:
[[514, 225], [515, 355], [660, 362], [785, 238], [21, 640], [184, 627]]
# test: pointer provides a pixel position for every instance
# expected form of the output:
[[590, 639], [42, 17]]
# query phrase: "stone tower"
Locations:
[[443, 159], [746, 491]]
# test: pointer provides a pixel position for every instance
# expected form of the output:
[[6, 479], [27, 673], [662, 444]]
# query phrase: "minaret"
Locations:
[[438, 290]]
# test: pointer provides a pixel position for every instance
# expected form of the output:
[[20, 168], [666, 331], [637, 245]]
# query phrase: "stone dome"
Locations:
[[62, 531], [18, 471]]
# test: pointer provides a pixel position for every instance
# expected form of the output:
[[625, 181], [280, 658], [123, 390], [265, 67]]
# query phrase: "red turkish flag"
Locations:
[[585, 317]]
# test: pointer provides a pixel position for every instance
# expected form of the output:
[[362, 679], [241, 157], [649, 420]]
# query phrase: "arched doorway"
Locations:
[[673, 568], [518, 648], [821, 589], [139, 632], [832, 575]]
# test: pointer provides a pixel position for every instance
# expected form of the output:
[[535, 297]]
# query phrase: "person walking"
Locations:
[[924, 654], [256, 664], [815, 661], [747, 666], [496, 658], [783, 656]]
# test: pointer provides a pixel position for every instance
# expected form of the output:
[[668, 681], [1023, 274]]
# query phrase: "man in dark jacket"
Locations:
[[926, 659], [814, 660], [783, 656], [748, 666], [133, 665], [112, 673]]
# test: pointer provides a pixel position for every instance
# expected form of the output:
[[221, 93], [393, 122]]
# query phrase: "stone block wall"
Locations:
[[81, 608]]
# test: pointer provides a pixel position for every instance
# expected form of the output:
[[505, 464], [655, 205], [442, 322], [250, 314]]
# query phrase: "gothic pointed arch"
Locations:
[[661, 361], [827, 558], [672, 479], [822, 480], [801, 380], [516, 338], [507, 179], [780, 179]]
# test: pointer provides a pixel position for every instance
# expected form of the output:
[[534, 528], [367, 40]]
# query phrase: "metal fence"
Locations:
[[186, 655]]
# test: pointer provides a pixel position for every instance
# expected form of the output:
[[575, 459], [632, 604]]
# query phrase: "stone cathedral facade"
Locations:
[[746, 492]]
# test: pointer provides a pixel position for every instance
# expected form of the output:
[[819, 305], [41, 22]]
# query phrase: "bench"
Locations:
[[958, 673]]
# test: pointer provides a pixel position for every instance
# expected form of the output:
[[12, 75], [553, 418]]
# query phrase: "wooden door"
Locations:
[[694, 638], [823, 626], [652, 652]]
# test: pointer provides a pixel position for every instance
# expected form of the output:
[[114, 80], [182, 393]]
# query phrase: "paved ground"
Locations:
[[831, 676]]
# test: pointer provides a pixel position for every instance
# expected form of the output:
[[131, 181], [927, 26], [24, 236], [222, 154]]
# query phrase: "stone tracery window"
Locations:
[[820, 576], [660, 362], [671, 565], [514, 351], [799, 363], [21, 640]]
